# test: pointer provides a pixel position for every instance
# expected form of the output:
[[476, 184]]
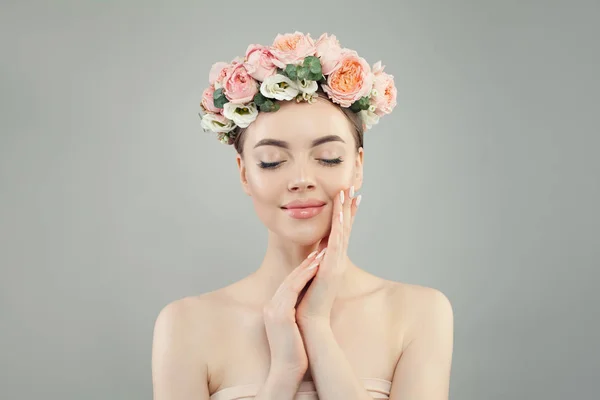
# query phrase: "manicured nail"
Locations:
[[358, 199], [312, 254], [352, 191], [342, 197], [313, 265], [341, 217], [321, 253]]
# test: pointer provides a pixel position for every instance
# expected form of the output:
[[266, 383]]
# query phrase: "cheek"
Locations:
[[263, 186], [336, 178]]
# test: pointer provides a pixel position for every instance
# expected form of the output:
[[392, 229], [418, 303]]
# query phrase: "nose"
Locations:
[[301, 181]]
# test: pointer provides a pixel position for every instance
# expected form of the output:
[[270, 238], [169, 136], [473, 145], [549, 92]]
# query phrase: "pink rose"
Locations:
[[385, 101], [328, 49], [238, 86], [217, 72], [292, 48], [259, 62], [208, 101], [350, 80]]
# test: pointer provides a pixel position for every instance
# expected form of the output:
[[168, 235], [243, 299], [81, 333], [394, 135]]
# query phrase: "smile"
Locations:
[[304, 212]]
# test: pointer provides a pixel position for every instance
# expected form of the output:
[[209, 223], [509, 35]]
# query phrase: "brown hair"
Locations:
[[353, 118]]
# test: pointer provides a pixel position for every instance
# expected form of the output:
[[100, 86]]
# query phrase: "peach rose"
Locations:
[[385, 92], [350, 80], [328, 49], [217, 73], [208, 101], [259, 62], [238, 86], [292, 48]]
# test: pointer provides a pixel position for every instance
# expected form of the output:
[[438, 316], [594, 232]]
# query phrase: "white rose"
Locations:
[[308, 87], [369, 118], [242, 114], [216, 123], [279, 87]]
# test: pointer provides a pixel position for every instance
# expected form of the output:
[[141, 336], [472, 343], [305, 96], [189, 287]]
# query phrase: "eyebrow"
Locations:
[[285, 145]]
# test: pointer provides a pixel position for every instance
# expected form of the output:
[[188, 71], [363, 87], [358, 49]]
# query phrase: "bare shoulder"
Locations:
[[422, 308], [183, 335], [189, 318]]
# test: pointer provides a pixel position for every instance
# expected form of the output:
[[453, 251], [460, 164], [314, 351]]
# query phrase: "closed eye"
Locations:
[[323, 161]]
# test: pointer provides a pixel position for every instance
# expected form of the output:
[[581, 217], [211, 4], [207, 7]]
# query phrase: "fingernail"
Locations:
[[342, 197], [313, 265], [321, 254], [341, 217], [351, 191], [358, 199], [312, 254]]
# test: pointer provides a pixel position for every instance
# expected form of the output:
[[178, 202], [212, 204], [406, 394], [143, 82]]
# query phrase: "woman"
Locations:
[[308, 323]]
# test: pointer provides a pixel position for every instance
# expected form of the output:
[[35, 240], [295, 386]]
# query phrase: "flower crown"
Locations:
[[293, 68]]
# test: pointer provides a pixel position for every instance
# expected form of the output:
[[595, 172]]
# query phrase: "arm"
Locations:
[[332, 373], [178, 369], [423, 371], [278, 386]]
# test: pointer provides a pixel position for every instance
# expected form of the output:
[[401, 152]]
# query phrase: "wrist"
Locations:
[[281, 384], [314, 323]]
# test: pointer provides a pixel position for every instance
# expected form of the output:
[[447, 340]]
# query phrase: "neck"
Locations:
[[283, 256]]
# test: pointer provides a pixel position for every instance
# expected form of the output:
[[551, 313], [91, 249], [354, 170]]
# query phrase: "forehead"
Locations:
[[300, 123]]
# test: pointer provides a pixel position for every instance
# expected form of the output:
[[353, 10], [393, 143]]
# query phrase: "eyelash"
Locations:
[[325, 162]]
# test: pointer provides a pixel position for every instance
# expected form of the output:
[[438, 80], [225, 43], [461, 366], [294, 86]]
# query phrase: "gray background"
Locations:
[[483, 183]]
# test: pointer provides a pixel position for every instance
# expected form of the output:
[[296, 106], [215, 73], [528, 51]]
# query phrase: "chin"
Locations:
[[306, 235]]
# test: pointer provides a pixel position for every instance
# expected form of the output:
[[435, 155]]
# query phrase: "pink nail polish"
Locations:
[[358, 199], [342, 197], [321, 254]]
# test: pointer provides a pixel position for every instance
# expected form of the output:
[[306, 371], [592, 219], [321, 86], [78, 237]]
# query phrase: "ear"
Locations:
[[358, 166], [243, 178]]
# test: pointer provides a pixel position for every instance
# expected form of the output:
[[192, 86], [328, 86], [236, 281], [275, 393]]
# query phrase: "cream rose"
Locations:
[[306, 86], [259, 62], [216, 123], [384, 92], [279, 87], [329, 51], [208, 102], [292, 48], [350, 80], [241, 114], [217, 73], [369, 118], [238, 86]]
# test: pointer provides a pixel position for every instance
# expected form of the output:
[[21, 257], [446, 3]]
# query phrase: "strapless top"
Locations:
[[377, 388]]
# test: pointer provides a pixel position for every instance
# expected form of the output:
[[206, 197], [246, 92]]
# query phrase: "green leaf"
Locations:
[[219, 98], [291, 71], [259, 99], [302, 73], [314, 77], [313, 64], [360, 104], [269, 106]]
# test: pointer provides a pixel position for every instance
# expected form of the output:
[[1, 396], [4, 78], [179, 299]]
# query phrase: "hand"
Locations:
[[287, 348], [319, 297]]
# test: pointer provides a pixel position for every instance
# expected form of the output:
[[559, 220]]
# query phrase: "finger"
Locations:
[[287, 294], [347, 218], [337, 221], [353, 207]]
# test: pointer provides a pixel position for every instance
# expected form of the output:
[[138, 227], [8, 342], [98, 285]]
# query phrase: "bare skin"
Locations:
[[373, 327], [387, 330]]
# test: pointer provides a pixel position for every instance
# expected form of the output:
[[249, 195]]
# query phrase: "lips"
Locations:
[[308, 203], [304, 209]]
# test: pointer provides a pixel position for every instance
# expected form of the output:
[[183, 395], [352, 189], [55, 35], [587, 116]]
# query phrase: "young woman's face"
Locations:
[[300, 153]]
